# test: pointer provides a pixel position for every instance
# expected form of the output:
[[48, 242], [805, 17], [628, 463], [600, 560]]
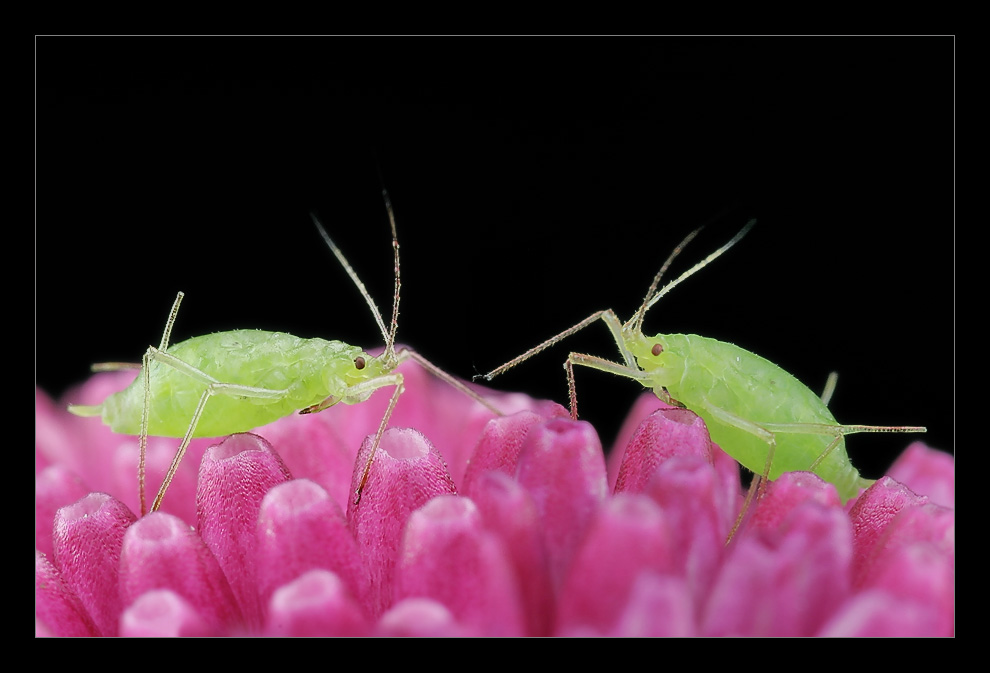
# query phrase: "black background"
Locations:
[[535, 180]]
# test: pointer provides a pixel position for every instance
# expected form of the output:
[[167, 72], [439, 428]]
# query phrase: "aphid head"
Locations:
[[364, 367], [654, 355]]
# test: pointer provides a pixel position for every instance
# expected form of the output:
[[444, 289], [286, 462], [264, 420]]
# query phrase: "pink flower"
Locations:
[[471, 525]]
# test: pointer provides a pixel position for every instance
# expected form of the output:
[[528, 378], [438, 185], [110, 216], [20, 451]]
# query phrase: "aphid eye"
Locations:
[[657, 349], [359, 362]]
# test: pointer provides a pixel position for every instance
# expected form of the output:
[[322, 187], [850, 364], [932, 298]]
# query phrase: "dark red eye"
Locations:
[[359, 362], [657, 349]]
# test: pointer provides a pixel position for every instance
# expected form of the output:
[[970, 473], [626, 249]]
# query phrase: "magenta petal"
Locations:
[[499, 446], [508, 511], [871, 513], [54, 487], [660, 606], [669, 431], [784, 582], [300, 529], [234, 477], [448, 556], [58, 610], [645, 405], [877, 614], [407, 471], [562, 467], [311, 447], [785, 494], [913, 561], [628, 535], [699, 511], [421, 618], [317, 603], [160, 551], [161, 613], [927, 472], [88, 539]]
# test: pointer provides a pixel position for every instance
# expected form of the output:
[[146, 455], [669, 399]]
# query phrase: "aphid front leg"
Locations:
[[601, 364], [406, 354]]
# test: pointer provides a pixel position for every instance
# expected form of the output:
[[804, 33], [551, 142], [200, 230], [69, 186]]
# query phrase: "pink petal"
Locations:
[[645, 405], [877, 614], [660, 606], [421, 618], [312, 448], [927, 472], [234, 477], [88, 539], [58, 610], [162, 613], [448, 556], [500, 444], [508, 511], [300, 529], [54, 487], [317, 603], [788, 492], [699, 512], [668, 431], [160, 551], [628, 536], [562, 467], [407, 471], [870, 514], [786, 581]]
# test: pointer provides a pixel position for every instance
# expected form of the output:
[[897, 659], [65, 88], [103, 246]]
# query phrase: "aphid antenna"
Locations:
[[687, 274], [389, 337], [636, 322]]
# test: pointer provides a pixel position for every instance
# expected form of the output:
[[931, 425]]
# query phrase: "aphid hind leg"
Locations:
[[836, 431], [758, 486], [213, 387]]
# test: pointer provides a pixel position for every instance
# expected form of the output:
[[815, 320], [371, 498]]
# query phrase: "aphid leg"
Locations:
[[213, 387], [357, 393], [406, 354], [836, 431], [600, 364], [757, 487], [399, 388], [113, 366], [608, 315]]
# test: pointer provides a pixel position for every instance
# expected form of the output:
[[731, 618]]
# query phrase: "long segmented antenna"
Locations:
[[697, 267], [390, 339], [636, 322], [354, 277]]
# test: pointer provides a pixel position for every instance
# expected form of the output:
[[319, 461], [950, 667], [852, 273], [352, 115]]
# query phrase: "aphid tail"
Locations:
[[86, 409]]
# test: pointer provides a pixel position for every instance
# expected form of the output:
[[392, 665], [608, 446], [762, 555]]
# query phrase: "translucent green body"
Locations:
[[705, 373], [308, 370]]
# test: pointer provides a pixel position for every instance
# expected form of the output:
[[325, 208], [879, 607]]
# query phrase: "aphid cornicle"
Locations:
[[219, 384], [758, 413]]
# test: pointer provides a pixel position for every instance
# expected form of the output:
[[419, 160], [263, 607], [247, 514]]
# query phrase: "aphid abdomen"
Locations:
[[721, 381], [307, 370]]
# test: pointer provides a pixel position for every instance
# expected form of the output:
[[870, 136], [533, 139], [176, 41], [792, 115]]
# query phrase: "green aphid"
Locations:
[[758, 413], [228, 382]]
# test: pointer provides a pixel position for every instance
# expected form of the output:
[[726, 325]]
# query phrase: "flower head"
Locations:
[[469, 524]]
